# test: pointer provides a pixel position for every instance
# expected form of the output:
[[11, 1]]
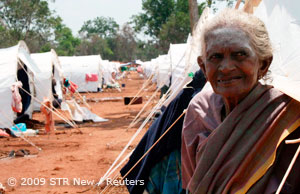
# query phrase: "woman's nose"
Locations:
[[227, 65]]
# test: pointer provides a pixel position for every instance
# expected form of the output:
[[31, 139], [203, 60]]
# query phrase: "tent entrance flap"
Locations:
[[26, 99]]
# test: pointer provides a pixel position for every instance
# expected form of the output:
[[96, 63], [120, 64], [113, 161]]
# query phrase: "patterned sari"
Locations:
[[239, 154]]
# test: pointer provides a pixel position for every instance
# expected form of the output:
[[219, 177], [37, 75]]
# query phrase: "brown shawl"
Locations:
[[239, 152]]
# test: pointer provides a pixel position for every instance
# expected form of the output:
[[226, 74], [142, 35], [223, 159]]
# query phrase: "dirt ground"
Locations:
[[68, 156]]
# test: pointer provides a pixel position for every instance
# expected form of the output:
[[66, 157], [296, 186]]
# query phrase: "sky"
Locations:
[[75, 12]]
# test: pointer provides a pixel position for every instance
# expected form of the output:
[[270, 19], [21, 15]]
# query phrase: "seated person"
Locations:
[[233, 138]]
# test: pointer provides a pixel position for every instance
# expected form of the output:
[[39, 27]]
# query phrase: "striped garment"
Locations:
[[239, 155]]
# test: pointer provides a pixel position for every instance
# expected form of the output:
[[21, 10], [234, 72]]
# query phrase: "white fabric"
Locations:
[[106, 72], [282, 21], [75, 69], [9, 59], [43, 81], [80, 114], [177, 54]]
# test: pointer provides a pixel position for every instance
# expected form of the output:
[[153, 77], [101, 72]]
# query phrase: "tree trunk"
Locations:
[[193, 7]]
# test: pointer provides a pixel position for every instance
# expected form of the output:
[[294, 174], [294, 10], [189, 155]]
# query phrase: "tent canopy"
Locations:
[[76, 68], [11, 60]]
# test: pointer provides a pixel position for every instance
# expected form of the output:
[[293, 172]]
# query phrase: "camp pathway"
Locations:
[[70, 161]]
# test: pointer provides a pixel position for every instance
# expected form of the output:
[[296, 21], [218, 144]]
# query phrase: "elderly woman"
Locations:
[[233, 137]]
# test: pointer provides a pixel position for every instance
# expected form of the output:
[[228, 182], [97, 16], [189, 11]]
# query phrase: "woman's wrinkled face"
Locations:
[[231, 64]]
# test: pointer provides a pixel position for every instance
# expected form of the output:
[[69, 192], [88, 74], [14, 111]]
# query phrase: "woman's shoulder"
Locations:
[[204, 108], [206, 100]]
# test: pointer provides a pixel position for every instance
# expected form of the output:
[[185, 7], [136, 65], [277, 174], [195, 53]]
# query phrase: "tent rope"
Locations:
[[75, 126], [134, 136], [21, 64], [133, 121], [22, 135], [131, 140], [62, 117], [143, 87], [291, 164], [156, 142]]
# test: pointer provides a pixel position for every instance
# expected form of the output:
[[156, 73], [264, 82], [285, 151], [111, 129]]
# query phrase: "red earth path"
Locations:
[[71, 160]]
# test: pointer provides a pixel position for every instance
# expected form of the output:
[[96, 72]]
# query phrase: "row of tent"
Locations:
[[282, 20], [39, 71]]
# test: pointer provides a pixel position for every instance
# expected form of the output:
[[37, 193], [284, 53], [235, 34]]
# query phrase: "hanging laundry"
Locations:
[[91, 77], [73, 87], [66, 82], [16, 103], [49, 123]]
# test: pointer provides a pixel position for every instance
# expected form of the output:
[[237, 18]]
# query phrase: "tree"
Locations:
[[175, 30], [31, 21], [147, 50], [125, 44], [98, 37], [95, 45], [193, 8], [103, 27], [156, 13], [212, 3], [65, 42]]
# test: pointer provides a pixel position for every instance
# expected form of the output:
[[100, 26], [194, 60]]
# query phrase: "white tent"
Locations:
[[107, 70], [77, 68], [50, 68], [282, 19], [177, 54], [12, 62], [189, 63], [163, 70], [147, 68]]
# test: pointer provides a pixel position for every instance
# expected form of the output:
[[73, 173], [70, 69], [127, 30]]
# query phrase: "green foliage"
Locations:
[[26, 20], [165, 21], [33, 22], [212, 3], [156, 13], [147, 50], [65, 42], [103, 27], [175, 30], [120, 45], [94, 45]]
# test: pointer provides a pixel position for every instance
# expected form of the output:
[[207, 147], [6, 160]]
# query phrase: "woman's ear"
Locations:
[[264, 66], [201, 65]]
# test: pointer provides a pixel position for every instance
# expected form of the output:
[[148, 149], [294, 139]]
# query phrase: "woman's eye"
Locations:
[[215, 56]]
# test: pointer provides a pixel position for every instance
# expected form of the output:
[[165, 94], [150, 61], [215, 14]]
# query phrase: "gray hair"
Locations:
[[253, 27]]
